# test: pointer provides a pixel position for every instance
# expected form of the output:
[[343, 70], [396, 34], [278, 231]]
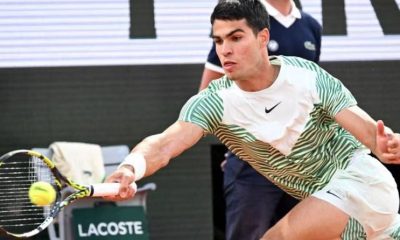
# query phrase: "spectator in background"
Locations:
[[249, 195]]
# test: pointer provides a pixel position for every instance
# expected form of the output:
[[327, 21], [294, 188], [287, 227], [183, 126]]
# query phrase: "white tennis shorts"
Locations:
[[366, 191]]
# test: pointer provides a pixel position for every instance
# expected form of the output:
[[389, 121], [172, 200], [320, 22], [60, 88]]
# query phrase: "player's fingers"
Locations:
[[114, 198], [393, 145], [380, 128], [131, 192], [394, 141], [393, 150], [127, 193], [390, 158], [114, 178], [111, 198], [125, 190], [393, 161]]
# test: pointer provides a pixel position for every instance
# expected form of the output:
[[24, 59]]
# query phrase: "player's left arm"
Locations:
[[374, 134]]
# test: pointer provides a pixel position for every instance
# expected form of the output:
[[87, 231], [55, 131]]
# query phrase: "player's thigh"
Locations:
[[311, 219]]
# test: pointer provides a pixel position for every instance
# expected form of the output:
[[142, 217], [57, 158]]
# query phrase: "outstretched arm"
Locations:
[[375, 135], [153, 153]]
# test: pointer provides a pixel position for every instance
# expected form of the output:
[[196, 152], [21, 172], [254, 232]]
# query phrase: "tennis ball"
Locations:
[[42, 193]]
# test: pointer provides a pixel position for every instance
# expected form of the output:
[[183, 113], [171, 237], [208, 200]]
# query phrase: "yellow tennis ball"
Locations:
[[42, 193]]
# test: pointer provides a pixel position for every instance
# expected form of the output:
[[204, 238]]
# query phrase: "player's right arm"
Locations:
[[153, 153]]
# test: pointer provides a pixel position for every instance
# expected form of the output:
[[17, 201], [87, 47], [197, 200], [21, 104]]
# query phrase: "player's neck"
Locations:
[[259, 80], [283, 6]]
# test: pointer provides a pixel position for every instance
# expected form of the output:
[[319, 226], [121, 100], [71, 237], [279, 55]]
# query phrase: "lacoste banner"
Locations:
[[110, 222]]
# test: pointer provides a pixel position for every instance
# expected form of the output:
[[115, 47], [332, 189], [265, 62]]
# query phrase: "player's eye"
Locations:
[[217, 41], [236, 38]]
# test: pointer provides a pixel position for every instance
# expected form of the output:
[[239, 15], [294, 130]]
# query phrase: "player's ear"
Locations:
[[263, 37]]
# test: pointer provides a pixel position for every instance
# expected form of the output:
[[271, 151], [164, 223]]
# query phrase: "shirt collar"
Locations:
[[284, 20]]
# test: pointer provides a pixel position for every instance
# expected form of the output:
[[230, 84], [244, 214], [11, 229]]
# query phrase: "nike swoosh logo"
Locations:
[[269, 110], [329, 191]]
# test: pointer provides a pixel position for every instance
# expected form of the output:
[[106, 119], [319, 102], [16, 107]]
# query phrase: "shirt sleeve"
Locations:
[[334, 96], [203, 110]]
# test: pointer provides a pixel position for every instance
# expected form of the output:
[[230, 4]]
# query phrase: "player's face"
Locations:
[[238, 48]]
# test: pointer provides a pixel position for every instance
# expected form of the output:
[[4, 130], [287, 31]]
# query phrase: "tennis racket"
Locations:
[[18, 170]]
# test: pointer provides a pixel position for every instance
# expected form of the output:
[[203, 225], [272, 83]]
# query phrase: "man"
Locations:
[[293, 33], [295, 124]]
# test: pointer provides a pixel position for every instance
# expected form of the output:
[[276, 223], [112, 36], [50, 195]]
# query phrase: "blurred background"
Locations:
[[114, 72]]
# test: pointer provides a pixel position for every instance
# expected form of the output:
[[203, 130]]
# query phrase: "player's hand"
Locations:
[[125, 176], [388, 144]]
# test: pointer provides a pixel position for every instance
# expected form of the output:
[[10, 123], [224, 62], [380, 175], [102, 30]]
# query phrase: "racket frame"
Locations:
[[61, 182]]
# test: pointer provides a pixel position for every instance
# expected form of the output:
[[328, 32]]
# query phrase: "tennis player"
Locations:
[[292, 33], [296, 124]]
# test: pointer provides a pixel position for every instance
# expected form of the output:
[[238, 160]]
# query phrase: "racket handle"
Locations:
[[108, 189]]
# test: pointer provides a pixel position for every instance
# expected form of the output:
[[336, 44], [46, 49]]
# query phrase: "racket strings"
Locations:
[[17, 173]]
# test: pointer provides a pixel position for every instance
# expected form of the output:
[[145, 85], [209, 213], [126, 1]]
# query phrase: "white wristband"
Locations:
[[137, 161]]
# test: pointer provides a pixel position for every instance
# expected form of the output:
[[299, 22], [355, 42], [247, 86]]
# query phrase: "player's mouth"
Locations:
[[229, 65]]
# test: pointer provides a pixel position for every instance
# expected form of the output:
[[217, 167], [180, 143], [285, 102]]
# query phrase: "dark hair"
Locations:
[[253, 11]]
